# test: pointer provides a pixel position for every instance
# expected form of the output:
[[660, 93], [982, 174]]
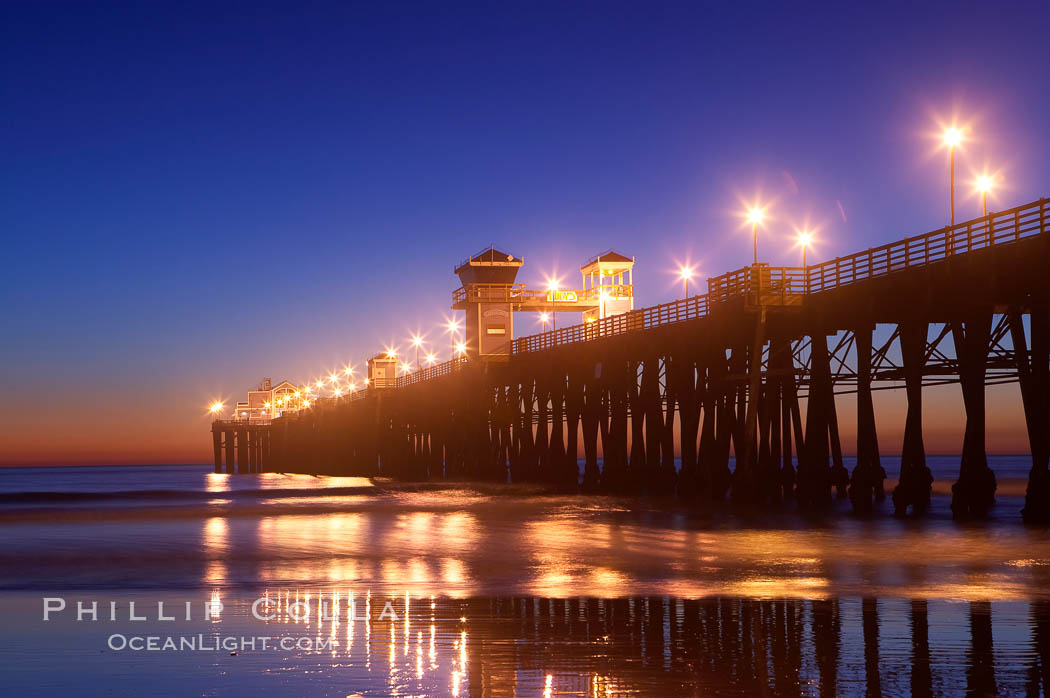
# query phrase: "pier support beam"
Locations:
[[782, 356], [1033, 369], [866, 483], [974, 493], [814, 473], [707, 457], [570, 471], [228, 439], [636, 470], [242, 451], [591, 403], [913, 489], [216, 444], [745, 475], [616, 398], [543, 396], [683, 374], [527, 459]]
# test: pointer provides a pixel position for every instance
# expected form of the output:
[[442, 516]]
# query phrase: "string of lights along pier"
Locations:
[[657, 399]]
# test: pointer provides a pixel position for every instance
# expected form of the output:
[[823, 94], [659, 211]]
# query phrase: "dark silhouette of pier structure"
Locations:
[[712, 375]]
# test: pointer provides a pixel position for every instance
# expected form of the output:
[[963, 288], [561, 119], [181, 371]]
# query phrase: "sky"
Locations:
[[194, 196]]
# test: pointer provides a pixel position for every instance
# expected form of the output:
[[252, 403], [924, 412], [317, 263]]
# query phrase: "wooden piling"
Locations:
[[914, 487], [1033, 368], [216, 442], [229, 440], [974, 492], [866, 482]]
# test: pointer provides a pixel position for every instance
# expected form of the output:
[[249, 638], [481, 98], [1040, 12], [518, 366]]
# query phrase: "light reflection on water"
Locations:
[[461, 543], [531, 594], [547, 548], [404, 645]]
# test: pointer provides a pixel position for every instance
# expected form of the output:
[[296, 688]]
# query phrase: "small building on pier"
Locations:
[[382, 370], [268, 401], [608, 277]]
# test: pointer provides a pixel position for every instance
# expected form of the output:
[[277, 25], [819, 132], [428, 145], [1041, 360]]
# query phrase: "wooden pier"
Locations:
[[720, 373], [244, 445]]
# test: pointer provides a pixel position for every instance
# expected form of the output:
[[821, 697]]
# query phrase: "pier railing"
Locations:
[[765, 285], [431, 372], [995, 229], [788, 285]]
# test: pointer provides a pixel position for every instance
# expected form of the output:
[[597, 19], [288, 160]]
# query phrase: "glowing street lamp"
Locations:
[[417, 342], [406, 368], [461, 348], [431, 359], [804, 239], [983, 185], [453, 327], [544, 317], [685, 273], [951, 138], [552, 289], [754, 217], [216, 407]]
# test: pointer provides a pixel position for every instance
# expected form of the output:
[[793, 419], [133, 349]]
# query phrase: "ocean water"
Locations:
[[382, 589]]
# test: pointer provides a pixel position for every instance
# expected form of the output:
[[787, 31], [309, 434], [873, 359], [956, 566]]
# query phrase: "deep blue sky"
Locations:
[[195, 196]]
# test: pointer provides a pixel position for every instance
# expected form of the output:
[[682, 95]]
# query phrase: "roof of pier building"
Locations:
[[608, 260], [489, 266]]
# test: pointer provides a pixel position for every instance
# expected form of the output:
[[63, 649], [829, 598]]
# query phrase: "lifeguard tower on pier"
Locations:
[[382, 370], [609, 277], [490, 297]]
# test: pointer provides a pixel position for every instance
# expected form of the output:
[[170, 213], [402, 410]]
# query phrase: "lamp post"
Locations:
[[453, 325], [755, 216], [552, 288], [417, 342], [804, 238], [984, 185], [685, 273], [952, 137], [544, 317]]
